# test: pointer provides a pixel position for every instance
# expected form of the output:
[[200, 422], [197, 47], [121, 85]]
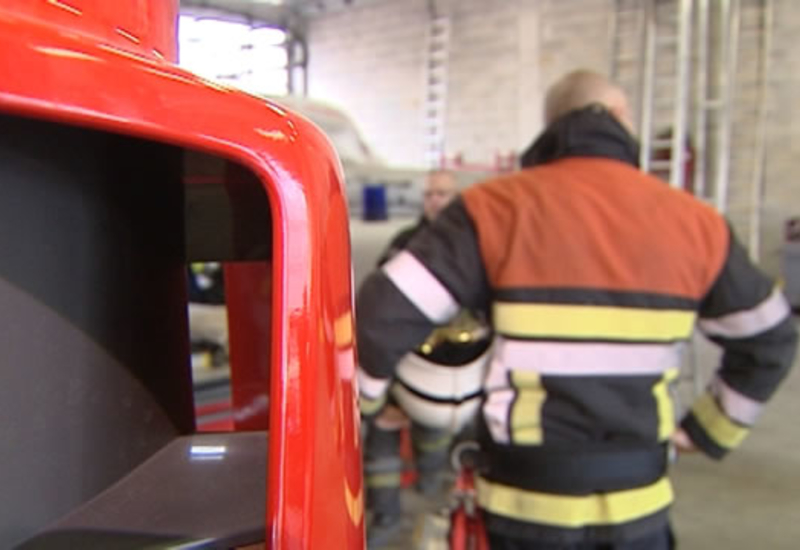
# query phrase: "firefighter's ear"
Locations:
[[622, 113]]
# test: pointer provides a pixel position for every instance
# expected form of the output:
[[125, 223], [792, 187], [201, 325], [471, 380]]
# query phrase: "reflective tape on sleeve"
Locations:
[[371, 387], [722, 430], [744, 324], [739, 407], [421, 287]]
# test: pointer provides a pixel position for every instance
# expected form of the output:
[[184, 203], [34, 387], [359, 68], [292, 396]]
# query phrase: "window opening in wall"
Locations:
[[254, 58]]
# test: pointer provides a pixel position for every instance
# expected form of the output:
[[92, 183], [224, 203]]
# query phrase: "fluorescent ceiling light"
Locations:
[[267, 36]]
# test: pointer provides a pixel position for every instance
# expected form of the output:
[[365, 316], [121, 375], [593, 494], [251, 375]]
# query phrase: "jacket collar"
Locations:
[[588, 132]]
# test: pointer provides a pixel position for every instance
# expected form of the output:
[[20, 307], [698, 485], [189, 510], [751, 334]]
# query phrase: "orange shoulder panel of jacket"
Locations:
[[488, 204], [595, 223], [710, 231]]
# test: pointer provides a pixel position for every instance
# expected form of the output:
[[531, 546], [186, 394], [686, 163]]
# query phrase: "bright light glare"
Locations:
[[208, 450], [254, 59], [267, 36], [214, 29]]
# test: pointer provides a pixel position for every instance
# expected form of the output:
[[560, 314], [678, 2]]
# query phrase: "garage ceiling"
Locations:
[[271, 10]]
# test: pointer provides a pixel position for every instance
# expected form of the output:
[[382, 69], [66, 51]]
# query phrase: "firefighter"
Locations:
[[594, 273], [440, 189], [430, 396]]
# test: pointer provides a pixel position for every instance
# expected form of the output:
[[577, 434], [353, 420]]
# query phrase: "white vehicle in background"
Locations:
[[362, 167]]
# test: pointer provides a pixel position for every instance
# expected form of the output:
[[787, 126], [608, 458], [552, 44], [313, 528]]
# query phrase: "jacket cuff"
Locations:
[[371, 407], [372, 392], [711, 430]]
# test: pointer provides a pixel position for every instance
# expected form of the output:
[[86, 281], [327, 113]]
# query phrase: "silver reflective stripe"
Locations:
[[587, 359], [564, 359], [497, 377], [495, 414], [744, 324], [371, 387], [421, 287], [737, 406], [499, 397]]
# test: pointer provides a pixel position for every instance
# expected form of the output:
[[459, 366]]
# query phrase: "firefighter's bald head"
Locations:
[[582, 88]]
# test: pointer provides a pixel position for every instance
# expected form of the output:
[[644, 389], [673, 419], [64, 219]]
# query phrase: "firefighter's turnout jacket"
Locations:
[[439, 385], [593, 273]]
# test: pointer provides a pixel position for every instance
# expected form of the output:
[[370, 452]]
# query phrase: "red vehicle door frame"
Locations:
[[74, 64]]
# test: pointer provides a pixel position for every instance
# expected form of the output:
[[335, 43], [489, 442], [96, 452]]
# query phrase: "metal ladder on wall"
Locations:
[[652, 60], [435, 106], [678, 62], [749, 31]]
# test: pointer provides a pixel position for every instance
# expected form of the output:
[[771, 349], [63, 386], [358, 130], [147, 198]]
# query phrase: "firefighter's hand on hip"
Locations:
[[682, 442]]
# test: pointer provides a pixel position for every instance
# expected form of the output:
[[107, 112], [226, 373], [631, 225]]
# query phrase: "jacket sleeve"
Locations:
[[751, 320], [420, 288], [398, 243]]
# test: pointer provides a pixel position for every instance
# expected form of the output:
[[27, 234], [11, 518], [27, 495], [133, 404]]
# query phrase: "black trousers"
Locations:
[[661, 540], [383, 466]]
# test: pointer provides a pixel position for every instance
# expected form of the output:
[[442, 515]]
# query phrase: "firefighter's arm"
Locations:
[[419, 289], [748, 316]]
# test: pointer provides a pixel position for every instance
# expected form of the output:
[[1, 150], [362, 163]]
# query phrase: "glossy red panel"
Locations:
[[146, 27], [91, 79], [248, 293]]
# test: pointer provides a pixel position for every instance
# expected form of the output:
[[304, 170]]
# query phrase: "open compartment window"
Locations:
[[227, 237], [100, 448]]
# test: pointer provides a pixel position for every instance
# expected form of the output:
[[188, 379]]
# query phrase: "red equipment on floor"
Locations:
[[466, 527]]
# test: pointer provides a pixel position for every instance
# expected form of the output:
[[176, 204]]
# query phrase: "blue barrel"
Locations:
[[375, 207]]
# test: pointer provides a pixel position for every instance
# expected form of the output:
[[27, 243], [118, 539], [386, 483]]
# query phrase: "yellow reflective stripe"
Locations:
[[371, 406], [354, 503], [392, 479], [526, 412], [441, 442], [592, 322], [665, 405], [343, 330], [574, 511], [719, 427]]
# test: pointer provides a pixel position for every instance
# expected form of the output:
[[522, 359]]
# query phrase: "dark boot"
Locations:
[[382, 529], [430, 484], [383, 469]]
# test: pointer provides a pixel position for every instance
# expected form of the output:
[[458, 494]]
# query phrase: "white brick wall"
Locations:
[[483, 105], [782, 198], [370, 59], [782, 188], [575, 34]]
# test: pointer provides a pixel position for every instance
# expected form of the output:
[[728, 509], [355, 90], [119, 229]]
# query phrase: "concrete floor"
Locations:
[[750, 500]]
